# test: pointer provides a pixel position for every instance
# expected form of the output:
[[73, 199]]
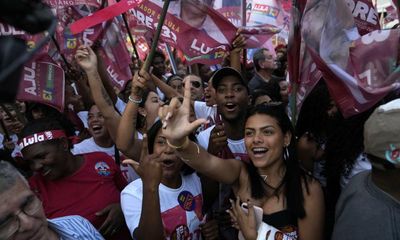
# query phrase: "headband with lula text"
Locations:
[[41, 137]]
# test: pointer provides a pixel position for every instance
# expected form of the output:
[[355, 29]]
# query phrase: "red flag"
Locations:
[[359, 71], [210, 37], [43, 82], [365, 15], [103, 15]]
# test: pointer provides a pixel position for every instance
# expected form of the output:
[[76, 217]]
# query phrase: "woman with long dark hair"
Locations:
[[290, 201]]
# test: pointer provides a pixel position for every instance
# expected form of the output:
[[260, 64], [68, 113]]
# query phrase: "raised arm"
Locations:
[[87, 60], [238, 44], [165, 88], [176, 127], [126, 140]]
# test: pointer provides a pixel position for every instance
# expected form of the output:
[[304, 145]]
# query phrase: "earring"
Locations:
[[286, 153]]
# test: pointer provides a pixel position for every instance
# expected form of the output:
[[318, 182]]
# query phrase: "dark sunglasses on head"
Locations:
[[196, 84]]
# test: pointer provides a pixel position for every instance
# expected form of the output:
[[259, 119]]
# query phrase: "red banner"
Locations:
[[103, 15], [113, 50], [42, 82], [65, 3], [365, 15], [210, 37], [359, 71]]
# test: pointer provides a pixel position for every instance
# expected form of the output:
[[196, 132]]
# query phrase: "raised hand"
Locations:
[[239, 42], [149, 169], [86, 58], [218, 140], [175, 119], [245, 221], [139, 82]]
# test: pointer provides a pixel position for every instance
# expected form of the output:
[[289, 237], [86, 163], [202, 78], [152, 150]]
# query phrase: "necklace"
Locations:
[[264, 177]]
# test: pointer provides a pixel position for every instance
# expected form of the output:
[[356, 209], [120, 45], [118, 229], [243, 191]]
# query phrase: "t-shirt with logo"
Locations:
[[201, 110], [237, 147], [181, 208], [93, 187], [89, 145]]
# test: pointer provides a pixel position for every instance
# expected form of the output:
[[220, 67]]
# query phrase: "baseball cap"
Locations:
[[227, 71], [382, 132]]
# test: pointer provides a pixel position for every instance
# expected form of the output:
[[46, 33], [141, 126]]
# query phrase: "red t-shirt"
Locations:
[[93, 187]]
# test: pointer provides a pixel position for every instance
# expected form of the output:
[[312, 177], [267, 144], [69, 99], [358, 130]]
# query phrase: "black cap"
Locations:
[[227, 71]]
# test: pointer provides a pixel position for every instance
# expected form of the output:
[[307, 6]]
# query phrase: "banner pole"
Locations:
[[130, 36], [150, 57], [171, 59], [244, 20]]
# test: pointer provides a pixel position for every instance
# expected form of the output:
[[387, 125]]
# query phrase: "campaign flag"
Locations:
[[103, 15], [210, 32], [359, 70], [43, 82], [303, 73], [365, 15], [112, 48], [391, 14]]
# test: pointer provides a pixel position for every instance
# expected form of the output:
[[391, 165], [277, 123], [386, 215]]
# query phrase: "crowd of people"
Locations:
[[206, 154]]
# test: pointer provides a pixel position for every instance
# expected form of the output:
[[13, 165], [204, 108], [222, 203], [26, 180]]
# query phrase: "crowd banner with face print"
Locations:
[[43, 82], [359, 70], [211, 33]]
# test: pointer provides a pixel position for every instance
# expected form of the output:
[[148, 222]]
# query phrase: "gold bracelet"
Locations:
[[198, 153], [183, 146]]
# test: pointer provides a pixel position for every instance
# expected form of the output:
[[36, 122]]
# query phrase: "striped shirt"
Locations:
[[74, 228]]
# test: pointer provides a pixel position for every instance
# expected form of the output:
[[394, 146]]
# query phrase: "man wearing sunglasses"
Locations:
[[196, 89], [22, 215]]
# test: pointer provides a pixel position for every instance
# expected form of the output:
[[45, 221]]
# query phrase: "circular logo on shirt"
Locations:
[[186, 201], [102, 169], [181, 232]]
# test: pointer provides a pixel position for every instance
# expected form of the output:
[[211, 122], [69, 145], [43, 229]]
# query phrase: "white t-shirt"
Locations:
[[237, 147], [89, 145], [201, 110], [83, 115], [180, 208]]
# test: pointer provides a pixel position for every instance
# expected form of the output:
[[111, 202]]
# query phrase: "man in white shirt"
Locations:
[[232, 100]]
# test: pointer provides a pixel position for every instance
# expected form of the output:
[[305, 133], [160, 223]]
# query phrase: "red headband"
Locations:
[[41, 137]]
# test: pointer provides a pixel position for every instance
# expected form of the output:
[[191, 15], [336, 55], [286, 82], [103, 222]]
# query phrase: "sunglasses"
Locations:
[[195, 84]]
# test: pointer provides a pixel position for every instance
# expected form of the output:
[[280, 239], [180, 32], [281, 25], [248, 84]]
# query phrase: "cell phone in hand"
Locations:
[[258, 212]]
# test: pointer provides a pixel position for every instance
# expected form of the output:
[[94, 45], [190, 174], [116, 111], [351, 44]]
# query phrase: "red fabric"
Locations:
[[83, 193]]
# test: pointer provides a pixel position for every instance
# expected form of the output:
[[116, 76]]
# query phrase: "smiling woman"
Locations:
[[291, 201]]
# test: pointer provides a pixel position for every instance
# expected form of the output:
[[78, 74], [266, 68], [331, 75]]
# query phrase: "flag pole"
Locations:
[[171, 59], [149, 59], [244, 18], [129, 34]]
